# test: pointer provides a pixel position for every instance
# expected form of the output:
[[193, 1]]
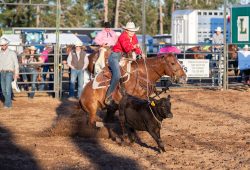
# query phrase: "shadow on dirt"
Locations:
[[13, 156], [71, 121]]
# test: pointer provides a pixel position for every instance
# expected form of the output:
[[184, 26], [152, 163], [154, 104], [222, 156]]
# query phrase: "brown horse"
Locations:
[[92, 100], [233, 57], [197, 50]]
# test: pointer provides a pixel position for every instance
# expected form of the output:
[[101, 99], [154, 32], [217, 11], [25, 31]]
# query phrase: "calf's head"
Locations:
[[164, 107]]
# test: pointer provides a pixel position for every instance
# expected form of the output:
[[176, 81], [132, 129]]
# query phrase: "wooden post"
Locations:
[[160, 17], [105, 10], [117, 13]]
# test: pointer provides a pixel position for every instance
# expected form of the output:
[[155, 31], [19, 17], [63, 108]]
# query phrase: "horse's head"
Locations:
[[173, 68], [232, 51]]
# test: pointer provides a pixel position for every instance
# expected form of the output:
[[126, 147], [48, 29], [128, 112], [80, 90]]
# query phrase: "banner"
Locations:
[[244, 60], [243, 28], [196, 68]]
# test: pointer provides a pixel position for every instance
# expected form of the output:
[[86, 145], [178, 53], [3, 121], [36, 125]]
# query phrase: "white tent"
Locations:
[[64, 39], [15, 42]]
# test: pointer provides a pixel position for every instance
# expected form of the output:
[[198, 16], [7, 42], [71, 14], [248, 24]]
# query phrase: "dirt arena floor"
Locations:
[[209, 130]]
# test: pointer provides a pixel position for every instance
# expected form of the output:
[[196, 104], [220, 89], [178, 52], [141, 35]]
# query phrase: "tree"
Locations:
[[12, 16]]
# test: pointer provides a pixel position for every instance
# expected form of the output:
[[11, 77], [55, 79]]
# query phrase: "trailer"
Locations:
[[196, 26]]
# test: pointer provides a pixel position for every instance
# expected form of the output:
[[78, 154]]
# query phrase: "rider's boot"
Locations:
[[108, 100]]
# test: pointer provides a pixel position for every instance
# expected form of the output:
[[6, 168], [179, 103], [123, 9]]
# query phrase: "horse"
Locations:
[[199, 52], [143, 74], [233, 57]]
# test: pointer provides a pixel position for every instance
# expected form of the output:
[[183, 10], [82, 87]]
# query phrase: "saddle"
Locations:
[[103, 78]]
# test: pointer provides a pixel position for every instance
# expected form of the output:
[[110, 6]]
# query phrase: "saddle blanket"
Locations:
[[103, 78]]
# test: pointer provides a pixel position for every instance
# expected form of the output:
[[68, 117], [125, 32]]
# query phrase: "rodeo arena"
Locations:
[[168, 101]]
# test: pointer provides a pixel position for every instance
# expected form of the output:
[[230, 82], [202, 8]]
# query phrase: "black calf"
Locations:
[[138, 114]]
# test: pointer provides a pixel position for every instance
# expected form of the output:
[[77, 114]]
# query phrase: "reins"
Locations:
[[145, 64]]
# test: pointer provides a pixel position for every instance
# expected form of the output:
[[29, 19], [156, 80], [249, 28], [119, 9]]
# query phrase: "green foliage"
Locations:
[[90, 13]]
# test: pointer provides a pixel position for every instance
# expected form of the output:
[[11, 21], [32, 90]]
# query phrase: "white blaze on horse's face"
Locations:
[[182, 79]]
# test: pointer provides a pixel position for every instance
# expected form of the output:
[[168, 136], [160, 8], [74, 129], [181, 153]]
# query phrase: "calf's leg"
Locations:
[[156, 135]]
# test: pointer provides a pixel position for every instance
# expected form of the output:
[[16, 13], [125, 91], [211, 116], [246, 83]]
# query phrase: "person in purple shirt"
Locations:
[[44, 58], [105, 39]]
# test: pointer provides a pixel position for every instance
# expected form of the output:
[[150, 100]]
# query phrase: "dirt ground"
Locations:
[[209, 130]]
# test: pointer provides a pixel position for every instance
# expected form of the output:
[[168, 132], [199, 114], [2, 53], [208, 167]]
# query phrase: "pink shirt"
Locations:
[[45, 56], [106, 37]]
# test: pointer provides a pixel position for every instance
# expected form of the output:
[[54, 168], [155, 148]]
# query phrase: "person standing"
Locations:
[[43, 59], [105, 39], [218, 40], [32, 69], [245, 73], [78, 62], [9, 69]]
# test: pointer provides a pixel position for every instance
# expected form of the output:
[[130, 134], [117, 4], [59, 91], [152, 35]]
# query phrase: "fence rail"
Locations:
[[49, 83]]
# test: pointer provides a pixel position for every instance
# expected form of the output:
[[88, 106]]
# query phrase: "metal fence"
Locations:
[[55, 74]]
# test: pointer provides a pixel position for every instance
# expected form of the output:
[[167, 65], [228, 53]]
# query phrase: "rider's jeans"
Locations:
[[113, 61]]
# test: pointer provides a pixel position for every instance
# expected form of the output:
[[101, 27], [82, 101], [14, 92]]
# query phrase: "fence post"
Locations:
[[225, 48], [56, 61]]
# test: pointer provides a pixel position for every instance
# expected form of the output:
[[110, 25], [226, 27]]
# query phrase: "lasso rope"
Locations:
[[145, 64]]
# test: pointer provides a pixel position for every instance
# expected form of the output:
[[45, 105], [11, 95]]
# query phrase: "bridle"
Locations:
[[175, 70]]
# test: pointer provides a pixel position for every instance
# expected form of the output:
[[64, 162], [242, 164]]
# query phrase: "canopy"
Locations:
[[169, 49], [64, 39]]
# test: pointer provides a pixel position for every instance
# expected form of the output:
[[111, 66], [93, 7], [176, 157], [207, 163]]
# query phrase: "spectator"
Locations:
[[32, 67], [9, 69], [105, 39], [246, 72], [23, 60], [43, 59], [78, 62], [217, 39]]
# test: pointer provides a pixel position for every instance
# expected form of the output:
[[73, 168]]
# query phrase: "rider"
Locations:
[[127, 42], [105, 39]]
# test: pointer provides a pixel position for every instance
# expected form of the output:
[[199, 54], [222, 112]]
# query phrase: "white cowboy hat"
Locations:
[[49, 45], [245, 47], [4, 41], [218, 29], [78, 44], [32, 48], [15, 86], [131, 27]]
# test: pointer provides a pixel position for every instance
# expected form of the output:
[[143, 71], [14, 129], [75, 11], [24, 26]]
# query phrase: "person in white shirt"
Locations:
[[9, 69], [78, 62]]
